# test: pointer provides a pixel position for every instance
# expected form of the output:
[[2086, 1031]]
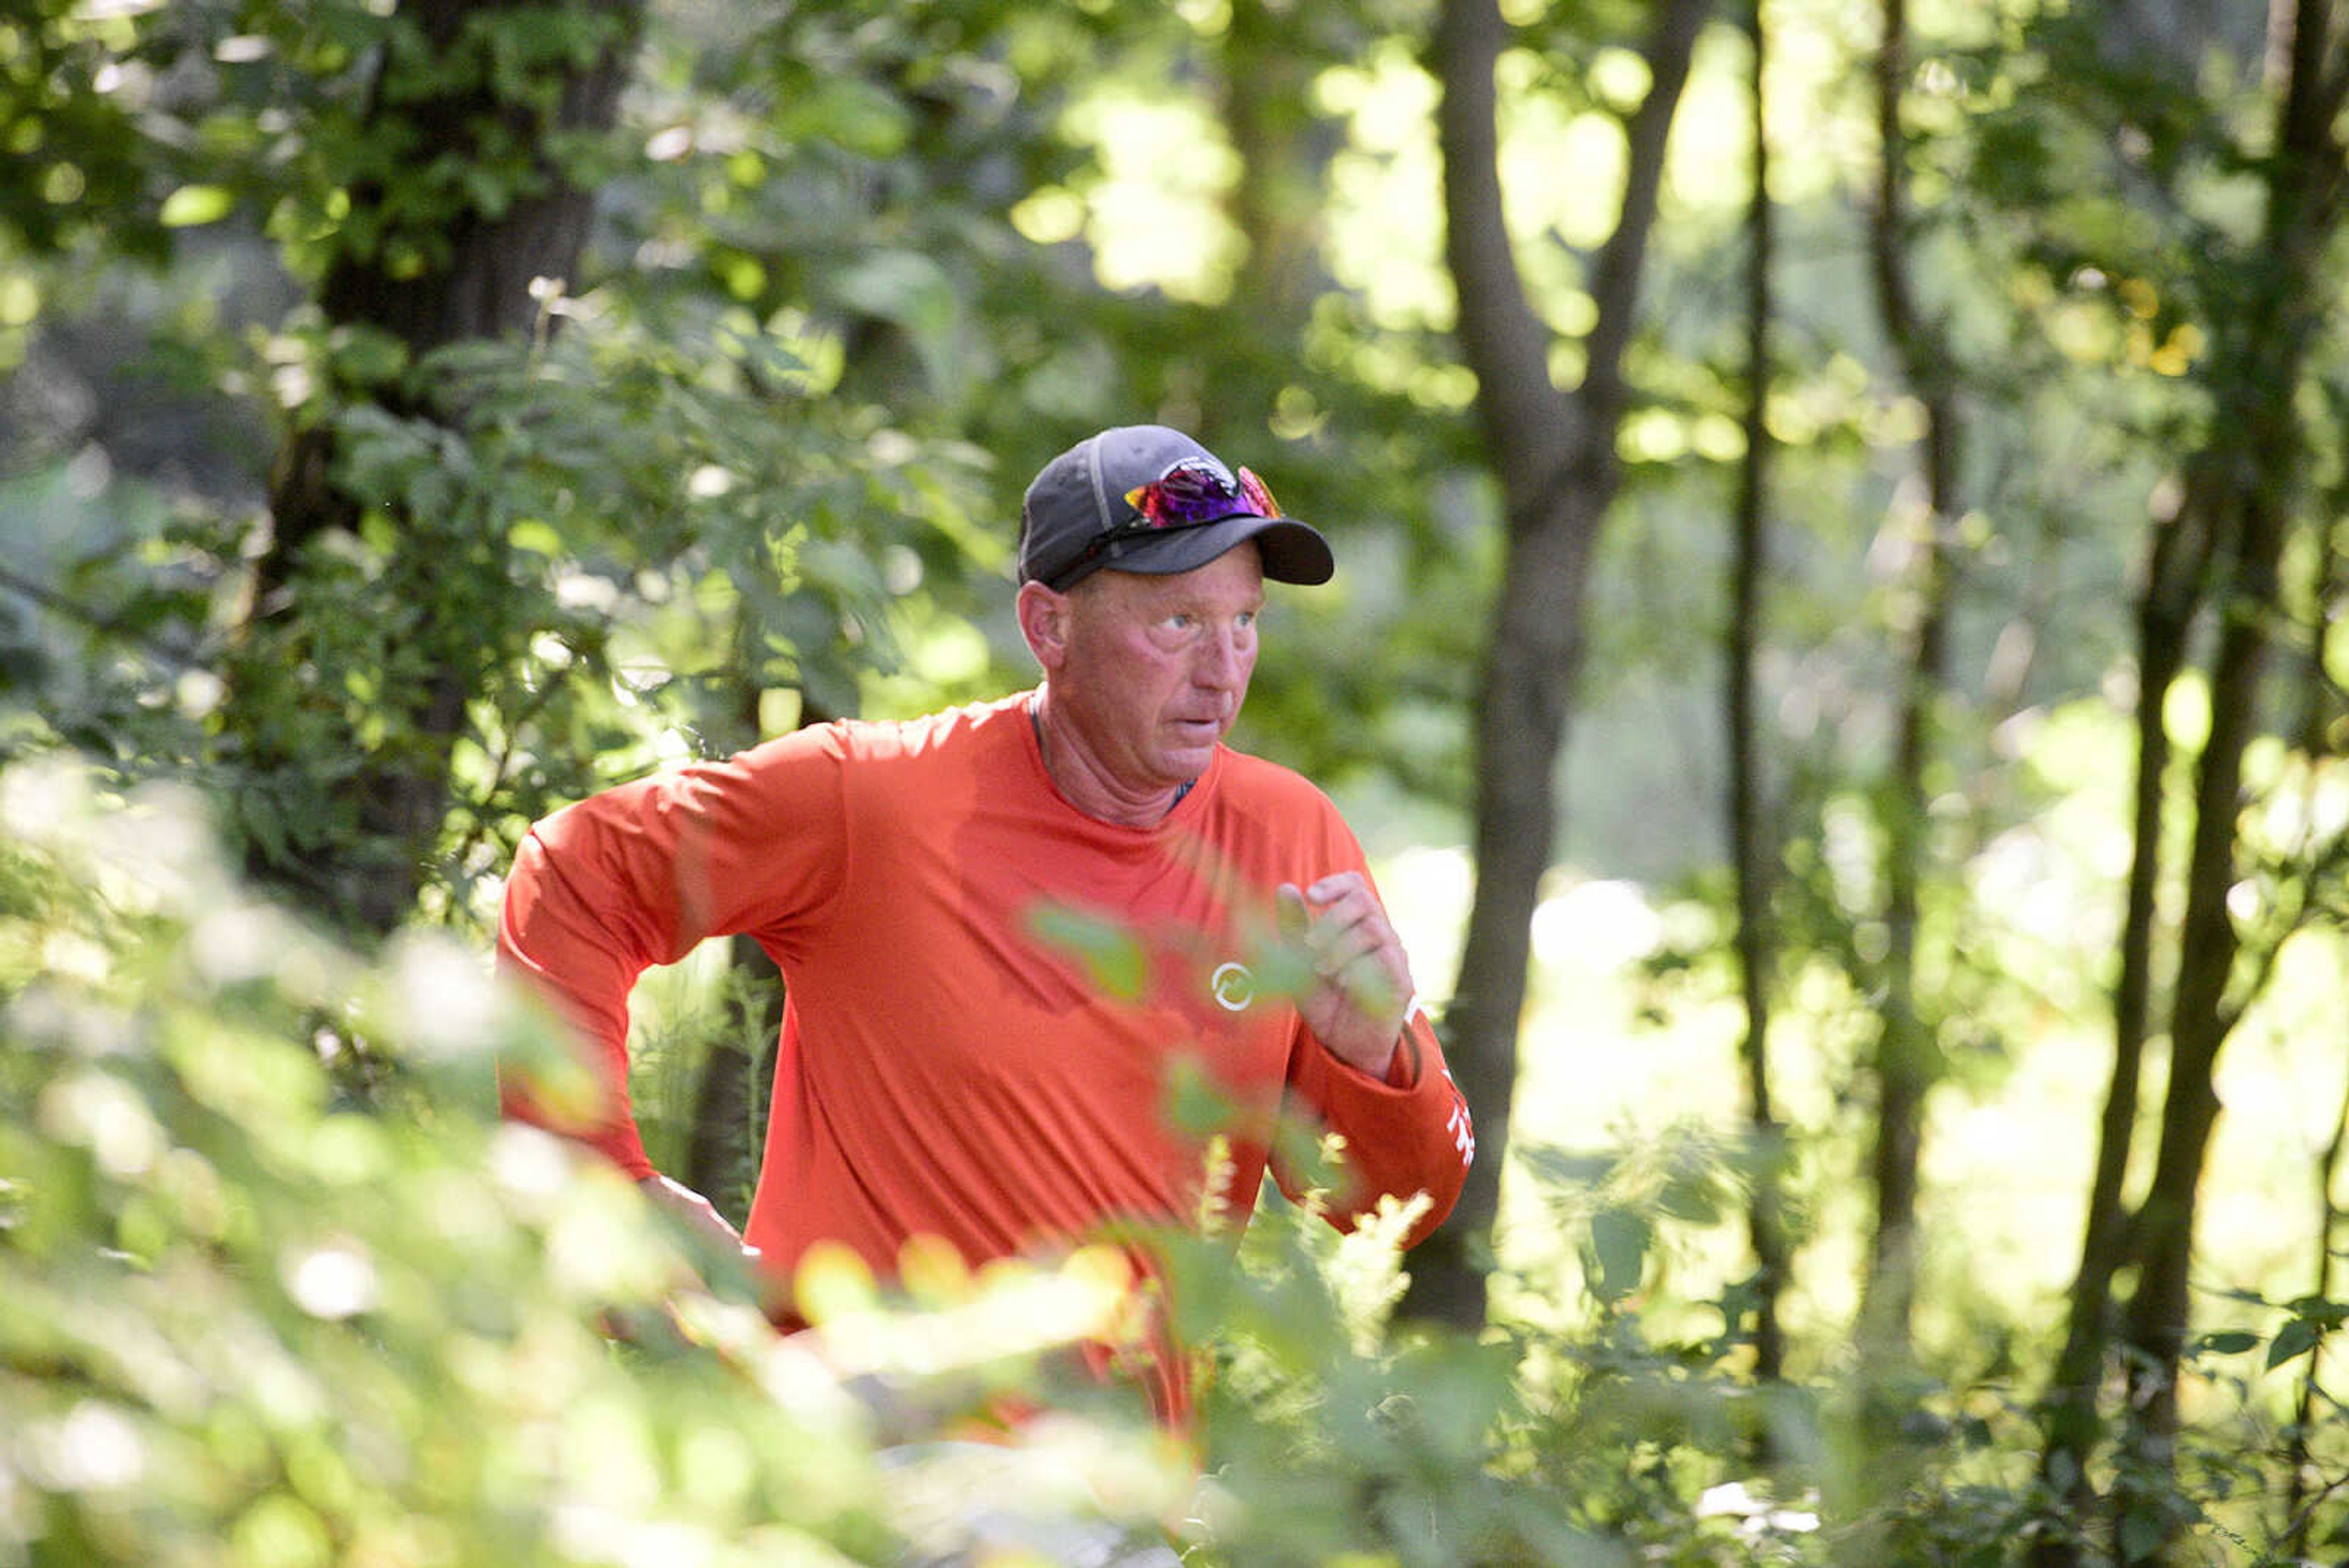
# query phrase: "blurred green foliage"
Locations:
[[257, 1307]]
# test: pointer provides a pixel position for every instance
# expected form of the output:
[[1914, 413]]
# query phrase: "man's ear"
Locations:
[[1044, 623]]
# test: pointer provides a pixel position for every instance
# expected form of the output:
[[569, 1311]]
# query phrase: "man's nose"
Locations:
[[1223, 659]]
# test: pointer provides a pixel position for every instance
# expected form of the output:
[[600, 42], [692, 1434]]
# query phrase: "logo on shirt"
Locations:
[[1232, 986]]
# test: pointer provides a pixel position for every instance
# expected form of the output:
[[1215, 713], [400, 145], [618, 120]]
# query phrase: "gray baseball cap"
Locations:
[[1144, 498]]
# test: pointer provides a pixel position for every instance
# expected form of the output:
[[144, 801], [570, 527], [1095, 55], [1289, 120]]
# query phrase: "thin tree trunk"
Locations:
[[2332, 591], [1907, 1052], [2201, 1019], [1555, 454], [2070, 1411], [1748, 837], [727, 1138], [2203, 1015], [1276, 204]]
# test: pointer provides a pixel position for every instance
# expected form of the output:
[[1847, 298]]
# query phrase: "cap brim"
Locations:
[[1292, 551]]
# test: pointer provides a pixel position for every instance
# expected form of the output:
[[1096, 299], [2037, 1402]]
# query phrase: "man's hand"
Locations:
[[1361, 990], [699, 1214]]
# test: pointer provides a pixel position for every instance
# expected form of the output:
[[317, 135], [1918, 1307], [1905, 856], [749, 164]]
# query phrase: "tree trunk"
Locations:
[[1277, 204], [1555, 455], [2069, 1410], [2201, 1019], [731, 1103], [1749, 839], [1906, 1054], [425, 282], [2203, 1015], [727, 1138]]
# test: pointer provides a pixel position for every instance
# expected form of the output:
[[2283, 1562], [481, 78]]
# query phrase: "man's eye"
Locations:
[[1247, 620]]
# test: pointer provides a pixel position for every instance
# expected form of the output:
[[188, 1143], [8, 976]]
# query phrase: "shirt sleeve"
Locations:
[[1406, 1134], [642, 874]]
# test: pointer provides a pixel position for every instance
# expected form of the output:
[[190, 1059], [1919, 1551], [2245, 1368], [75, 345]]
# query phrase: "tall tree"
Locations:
[[1907, 1051], [1554, 453], [1749, 837], [467, 183], [1269, 62]]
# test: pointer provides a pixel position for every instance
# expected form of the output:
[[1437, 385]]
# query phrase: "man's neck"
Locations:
[[1089, 786]]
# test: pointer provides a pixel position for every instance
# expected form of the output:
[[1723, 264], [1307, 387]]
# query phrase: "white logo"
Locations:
[[1233, 986], [1462, 1130]]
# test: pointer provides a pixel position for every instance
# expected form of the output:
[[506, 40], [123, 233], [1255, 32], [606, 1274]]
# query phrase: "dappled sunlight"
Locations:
[[2282, 1082], [1708, 169], [2004, 1176], [1154, 220], [969, 1319], [1427, 890], [1382, 233], [1561, 172], [1595, 927], [2285, 1085]]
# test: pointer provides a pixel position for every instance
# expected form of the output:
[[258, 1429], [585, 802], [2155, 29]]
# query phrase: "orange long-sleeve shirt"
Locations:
[[988, 990]]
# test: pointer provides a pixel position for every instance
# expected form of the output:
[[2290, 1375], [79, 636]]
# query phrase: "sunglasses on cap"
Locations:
[[1190, 494]]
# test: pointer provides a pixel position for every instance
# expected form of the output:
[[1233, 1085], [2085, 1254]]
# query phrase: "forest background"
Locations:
[[1839, 658]]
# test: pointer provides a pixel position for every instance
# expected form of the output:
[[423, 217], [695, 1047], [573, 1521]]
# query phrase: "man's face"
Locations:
[[1157, 666]]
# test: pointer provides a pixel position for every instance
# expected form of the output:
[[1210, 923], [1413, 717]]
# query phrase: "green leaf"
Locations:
[[2317, 1310], [1618, 1241], [855, 115], [538, 537], [2297, 1337], [1112, 960], [2232, 1342], [912, 290], [191, 205], [2140, 1536], [366, 354]]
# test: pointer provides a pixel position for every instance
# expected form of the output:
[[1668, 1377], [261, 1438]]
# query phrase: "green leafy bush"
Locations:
[[276, 1287]]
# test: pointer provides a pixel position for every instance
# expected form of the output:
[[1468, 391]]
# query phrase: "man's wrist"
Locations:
[[1381, 1065]]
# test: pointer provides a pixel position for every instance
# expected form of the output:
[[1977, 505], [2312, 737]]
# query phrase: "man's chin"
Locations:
[[1190, 747], [1182, 765]]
